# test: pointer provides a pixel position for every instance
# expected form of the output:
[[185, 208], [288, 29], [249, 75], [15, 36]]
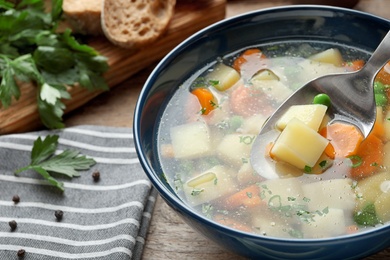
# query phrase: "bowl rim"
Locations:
[[176, 202]]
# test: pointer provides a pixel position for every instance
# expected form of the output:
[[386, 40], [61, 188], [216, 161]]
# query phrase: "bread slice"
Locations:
[[83, 16], [135, 23]]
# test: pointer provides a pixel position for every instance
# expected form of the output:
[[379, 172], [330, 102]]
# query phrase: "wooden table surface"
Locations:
[[169, 237]]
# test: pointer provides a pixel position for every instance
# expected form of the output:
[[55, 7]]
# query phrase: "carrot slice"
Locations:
[[206, 99], [248, 197], [378, 129], [247, 101], [224, 220], [355, 65], [370, 156], [243, 58], [383, 76], [344, 138], [330, 151], [352, 229]]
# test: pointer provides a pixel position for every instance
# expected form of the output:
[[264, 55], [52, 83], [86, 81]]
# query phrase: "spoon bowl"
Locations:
[[352, 102]]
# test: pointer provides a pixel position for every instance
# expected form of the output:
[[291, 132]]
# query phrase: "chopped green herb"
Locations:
[[356, 160], [247, 139], [214, 82], [307, 169], [367, 217], [291, 199], [44, 162], [323, 163], [208, 210], [32, 51], [249, 194], [196, 192]]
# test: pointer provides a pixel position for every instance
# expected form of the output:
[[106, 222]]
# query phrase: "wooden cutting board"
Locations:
[[190, 16]]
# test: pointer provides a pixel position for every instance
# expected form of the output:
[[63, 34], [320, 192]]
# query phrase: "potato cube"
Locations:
[[209, 185], [312, 115], [253, 124], [332, 56], [382, 204], [274, 89], [270, 225], [190, 140], [299, 145], [369, 189], [282, 192], [224, 77], [313, 69], [265, 74], [336, 193], [326, 225], [235, 149]]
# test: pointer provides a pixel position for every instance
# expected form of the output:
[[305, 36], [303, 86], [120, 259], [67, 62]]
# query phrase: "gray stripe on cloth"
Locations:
[[108, 219]]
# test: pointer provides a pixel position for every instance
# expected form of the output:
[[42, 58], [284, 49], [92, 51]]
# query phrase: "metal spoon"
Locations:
[[351, 95]]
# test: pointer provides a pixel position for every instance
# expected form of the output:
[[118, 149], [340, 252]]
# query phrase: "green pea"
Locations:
[[380, 100], [322, 99], [379, 87]]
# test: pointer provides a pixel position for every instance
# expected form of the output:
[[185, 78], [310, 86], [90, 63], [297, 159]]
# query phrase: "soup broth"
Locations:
[[211, 121]]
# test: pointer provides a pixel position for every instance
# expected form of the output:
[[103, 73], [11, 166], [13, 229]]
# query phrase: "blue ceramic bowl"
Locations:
[[313, 23]]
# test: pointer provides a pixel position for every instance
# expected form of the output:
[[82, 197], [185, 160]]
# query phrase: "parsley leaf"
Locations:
[[44, 162], [31, 50]]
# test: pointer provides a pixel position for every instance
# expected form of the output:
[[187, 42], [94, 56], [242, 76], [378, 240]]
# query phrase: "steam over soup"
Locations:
[[331, 182]]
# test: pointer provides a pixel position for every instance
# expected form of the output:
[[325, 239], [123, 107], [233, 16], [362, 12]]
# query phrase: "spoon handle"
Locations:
[[378, 59]]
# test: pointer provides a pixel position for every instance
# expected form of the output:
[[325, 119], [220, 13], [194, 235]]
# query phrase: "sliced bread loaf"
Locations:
[[135, 23], [83, 16]]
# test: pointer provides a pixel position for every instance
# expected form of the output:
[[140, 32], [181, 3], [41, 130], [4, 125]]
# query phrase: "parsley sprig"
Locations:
[[44, 162], [31, 50]]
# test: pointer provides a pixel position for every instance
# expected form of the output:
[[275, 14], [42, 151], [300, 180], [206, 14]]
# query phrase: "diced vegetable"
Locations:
[[335, 193], [235, 148], [329, 224], [248, 197], [206, 99], [313, 69], [247, 55], [269, 84], [209, 185], [382, 203], [223, 77], [253, 124], [269, 225], [384, 75], [369, 189], [370, 153], [322, 99], [191, 140], [299, 145], [265, 74], [230, 222], [332, 56], [279, 193], [248, 101], [312, 115], [354, 65], [246, 175], [344, 138]]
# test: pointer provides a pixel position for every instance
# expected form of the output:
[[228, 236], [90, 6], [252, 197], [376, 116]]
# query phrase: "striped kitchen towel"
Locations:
[[104, 219]]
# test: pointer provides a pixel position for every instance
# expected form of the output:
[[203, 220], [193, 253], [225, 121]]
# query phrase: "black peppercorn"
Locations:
[[59, 214], [13, 225], [96, 176], [16, 199], [21, 252]]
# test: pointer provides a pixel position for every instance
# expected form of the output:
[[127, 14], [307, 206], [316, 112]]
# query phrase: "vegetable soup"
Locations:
[[330, 181]]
